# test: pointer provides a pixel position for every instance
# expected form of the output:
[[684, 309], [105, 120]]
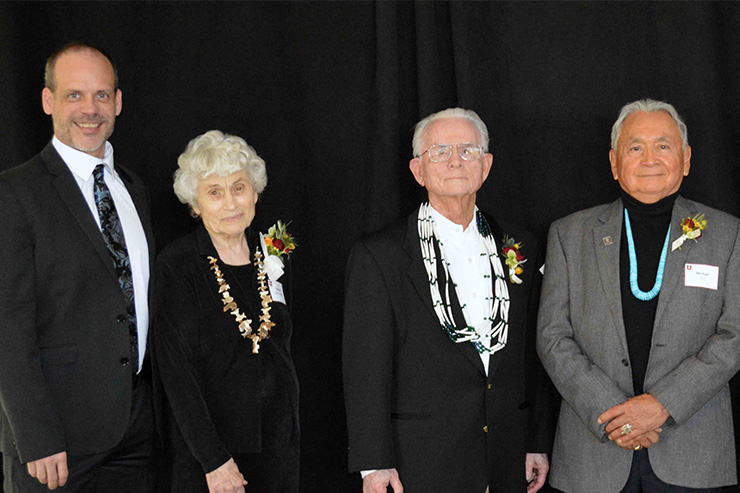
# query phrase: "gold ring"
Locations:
[[626, 429], [638, 447]]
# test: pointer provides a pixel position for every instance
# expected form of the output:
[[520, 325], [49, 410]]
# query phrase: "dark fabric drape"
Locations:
[[328, 93]]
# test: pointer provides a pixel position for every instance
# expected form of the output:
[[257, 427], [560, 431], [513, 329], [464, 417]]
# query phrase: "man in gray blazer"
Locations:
[[639, 324]]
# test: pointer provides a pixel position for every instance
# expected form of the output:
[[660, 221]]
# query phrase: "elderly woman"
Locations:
[[223, 330]]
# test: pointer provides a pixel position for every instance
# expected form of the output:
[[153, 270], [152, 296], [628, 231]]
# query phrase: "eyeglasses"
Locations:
[[441, 153]]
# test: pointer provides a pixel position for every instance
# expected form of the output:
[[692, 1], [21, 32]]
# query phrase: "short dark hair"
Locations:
[[75, 46]]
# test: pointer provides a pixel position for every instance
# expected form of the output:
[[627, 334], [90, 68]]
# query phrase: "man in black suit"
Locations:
[[443, 390], [75, 254]]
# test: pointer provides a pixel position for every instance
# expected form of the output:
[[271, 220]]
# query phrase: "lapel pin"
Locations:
[[607, 240]]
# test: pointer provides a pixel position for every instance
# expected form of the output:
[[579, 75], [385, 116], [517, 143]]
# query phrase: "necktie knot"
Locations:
[[98, 172]]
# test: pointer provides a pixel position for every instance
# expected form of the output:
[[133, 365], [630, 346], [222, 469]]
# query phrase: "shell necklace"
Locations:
[[244, 323]]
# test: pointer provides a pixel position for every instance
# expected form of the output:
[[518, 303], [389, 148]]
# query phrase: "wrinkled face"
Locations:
[[650, 161], [85, 102], [226, 203], [455, 178]]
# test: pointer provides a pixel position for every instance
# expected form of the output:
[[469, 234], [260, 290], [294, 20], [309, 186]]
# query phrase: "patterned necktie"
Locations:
[[112, 230]]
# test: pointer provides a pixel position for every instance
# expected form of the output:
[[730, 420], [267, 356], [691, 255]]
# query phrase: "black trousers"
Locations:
[[642, 479], [129, 467]]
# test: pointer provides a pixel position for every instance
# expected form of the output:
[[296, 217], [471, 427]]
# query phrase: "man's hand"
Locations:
[[645, 440], [51, 471], [643, 413], [378, 481], [226, 479], [535, 469]]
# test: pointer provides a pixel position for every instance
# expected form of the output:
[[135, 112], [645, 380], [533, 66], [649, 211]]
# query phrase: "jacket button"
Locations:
[[121, 318], [625, 362], [485, 429], [489, 386], [124, 361]]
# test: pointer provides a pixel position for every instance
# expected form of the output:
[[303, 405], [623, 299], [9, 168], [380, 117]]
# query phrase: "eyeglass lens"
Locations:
[[443, 152]]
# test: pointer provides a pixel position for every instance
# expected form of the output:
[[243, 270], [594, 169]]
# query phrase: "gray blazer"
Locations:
[[695, 351]]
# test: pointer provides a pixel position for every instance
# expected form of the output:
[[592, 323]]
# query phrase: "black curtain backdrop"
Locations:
[[328, 93]]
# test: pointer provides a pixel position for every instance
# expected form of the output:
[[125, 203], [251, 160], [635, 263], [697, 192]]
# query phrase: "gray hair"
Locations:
[[216, 153], [648, 106], [470, 115]]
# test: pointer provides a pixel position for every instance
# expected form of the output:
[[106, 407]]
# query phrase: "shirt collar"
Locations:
[[448, 229], [80, 163]]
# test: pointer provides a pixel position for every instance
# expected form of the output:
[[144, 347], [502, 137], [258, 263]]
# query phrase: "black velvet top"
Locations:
[[224, 399], [649, 227]]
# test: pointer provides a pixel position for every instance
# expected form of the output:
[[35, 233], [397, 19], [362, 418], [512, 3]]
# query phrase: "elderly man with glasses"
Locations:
[[443, 389]]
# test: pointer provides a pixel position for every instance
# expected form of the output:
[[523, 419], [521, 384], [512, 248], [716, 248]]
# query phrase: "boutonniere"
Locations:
[[277, 243], [691, 227], [513, 258]]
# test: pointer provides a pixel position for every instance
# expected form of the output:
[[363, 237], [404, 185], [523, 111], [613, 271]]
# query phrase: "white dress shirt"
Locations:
[[82, 165]]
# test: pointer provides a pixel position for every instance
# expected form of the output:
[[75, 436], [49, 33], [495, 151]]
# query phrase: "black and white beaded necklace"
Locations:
[[493, 336]]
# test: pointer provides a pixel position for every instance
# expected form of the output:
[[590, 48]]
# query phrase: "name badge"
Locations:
[[276, 291], [701, 276]]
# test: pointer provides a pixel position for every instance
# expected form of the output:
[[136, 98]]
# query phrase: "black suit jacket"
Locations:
[[65, 383], [421, 403]]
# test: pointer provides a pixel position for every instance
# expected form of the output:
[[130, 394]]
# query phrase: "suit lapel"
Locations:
[[675, 260], [416, 271], [498, 235], [72, 197], [141, 203], [607, 237], [420, 279]]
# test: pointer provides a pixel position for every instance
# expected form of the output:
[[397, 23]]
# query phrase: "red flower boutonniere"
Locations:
[[692, 228], [513, 258], [278, 241]]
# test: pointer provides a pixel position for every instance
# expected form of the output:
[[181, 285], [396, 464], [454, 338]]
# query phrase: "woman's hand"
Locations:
[[226, 479]]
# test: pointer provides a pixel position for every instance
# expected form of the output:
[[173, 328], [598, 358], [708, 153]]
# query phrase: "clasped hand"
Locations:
[[645, 415]]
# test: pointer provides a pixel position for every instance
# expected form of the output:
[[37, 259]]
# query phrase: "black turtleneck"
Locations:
[[649, 226]]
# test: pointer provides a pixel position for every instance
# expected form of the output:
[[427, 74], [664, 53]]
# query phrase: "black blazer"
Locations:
[[215, 385], [65, 382], [420, 403]]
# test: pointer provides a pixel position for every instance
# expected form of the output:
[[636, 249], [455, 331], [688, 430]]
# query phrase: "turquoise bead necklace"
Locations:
[[639, 294]]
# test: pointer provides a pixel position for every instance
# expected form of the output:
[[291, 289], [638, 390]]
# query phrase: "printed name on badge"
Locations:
[[701, 276], [276, 291]]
